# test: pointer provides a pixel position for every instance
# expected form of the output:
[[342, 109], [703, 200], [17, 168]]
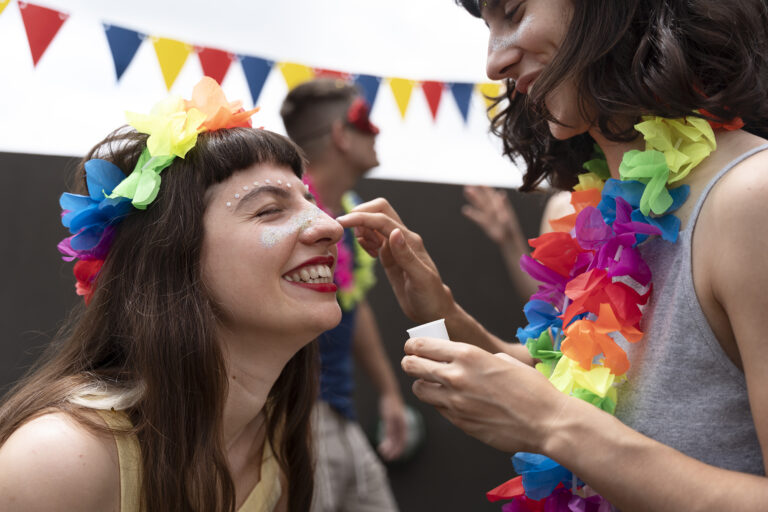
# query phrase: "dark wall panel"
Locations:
[[451, 472]]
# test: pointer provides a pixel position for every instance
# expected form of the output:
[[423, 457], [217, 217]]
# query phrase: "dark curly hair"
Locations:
[[634, 58]]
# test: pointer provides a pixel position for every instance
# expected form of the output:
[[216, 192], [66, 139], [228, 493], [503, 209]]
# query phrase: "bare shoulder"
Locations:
[[737, 202], [54, 463]]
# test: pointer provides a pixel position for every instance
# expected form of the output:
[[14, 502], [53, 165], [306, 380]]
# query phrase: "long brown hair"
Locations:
[[639, 57], [148, 334]]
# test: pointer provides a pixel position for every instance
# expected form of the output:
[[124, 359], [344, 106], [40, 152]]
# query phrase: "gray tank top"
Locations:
[[683, 390]]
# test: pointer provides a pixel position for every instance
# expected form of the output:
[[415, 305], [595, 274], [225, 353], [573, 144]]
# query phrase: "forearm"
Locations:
[[636, 473], [463, 327], [512, 251]]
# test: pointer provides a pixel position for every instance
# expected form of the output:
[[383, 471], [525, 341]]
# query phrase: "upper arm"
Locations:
[[558, 205], [53, 463], [739, 282]]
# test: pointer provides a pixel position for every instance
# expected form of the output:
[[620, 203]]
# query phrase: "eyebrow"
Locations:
[[268, 189]]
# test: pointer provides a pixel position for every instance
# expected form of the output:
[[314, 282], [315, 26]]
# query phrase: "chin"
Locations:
[[561, 132], [327, 317]]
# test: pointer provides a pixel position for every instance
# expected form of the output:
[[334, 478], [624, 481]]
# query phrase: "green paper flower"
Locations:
[[650, 168]]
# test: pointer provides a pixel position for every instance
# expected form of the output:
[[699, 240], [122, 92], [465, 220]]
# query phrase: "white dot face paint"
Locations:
[[237, 196], [229, 203], [273, 235]]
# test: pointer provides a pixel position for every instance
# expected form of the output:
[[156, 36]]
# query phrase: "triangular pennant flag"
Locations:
[[462, 93], [171, 55], [489, 90], [401, 89], [256, 71], [295, 74], [123, 43], [330, 73], [369, 84], [433, 91], [42, 25], [3, 5], [215, 63]]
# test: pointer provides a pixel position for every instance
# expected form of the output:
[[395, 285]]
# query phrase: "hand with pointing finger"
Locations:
[[413, 275]]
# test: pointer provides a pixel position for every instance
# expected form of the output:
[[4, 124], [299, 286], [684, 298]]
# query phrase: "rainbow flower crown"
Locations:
[[172, 125]]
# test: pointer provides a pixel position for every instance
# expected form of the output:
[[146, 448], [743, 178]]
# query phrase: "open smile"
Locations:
[[315, 274]]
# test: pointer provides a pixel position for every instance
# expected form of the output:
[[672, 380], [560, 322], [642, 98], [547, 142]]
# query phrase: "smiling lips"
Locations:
[[315, 274], [523, 84]]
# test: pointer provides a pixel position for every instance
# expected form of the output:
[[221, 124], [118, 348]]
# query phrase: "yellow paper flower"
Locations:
[[685, 142], [569, 374], [589, 180], [171, 128]]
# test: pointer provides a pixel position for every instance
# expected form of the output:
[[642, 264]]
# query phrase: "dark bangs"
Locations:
[[472, 6], [217, 155]]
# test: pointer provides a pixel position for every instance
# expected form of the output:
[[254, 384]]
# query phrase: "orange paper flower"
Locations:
[[208, 97]]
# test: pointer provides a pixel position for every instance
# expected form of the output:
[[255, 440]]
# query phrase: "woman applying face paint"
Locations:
[[187, 380], [650, 379]]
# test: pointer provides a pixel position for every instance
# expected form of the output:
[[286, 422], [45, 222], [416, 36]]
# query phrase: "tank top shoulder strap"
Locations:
[[129, 459], [733, 163]]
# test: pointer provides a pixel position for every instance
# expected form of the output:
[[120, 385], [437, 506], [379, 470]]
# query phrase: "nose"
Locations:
[[503, 55], [321, 229]]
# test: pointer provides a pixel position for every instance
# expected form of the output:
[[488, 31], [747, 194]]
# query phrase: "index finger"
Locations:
[[436, 349], [380, 222], [378, 205]]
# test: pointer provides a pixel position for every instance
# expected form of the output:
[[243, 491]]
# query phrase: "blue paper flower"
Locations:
[[541, 316], [541, 475], [88, 216]]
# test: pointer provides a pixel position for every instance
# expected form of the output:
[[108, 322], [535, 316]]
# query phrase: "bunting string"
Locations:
[[42, 25]]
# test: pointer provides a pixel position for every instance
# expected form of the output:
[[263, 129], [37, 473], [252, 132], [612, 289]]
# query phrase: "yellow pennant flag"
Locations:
[[295, 74], [4, 4], [171, 55], [402, 89], [489, 90]]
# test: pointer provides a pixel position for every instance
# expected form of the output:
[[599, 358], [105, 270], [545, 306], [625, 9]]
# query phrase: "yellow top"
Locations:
[[263, 497]]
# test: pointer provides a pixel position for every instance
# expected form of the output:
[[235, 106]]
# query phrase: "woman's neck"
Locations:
[[614, 151], [253, 365]]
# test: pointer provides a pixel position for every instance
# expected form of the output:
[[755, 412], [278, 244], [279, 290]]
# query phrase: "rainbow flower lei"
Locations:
[[172, 125], [590, 272], [354, 274]]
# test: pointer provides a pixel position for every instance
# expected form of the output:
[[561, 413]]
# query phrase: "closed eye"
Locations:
[[511, 14], [269, 211]]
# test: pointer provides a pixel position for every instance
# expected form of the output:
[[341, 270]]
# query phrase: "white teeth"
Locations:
[[312, 274]]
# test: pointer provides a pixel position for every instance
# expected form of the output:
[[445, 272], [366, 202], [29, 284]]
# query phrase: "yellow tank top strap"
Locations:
[[129, 459], [267, 492], [263, 497]]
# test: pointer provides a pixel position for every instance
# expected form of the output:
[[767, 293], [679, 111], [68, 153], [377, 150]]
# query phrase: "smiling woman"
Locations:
[[171, 389]]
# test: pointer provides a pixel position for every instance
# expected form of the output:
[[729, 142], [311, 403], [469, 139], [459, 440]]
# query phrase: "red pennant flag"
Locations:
[[42, 25], [433, 91], [215, 62], [330, 73]]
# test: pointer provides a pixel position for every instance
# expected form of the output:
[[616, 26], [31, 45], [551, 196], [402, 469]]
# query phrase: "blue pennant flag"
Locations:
[[123, 43], [369, 84], [256, 72], [462, 93]]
